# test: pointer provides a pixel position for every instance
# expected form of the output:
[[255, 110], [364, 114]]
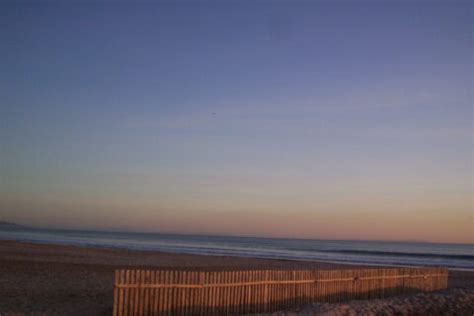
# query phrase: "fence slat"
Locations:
[[126, 294]]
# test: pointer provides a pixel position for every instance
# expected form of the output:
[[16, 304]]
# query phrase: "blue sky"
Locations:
[[165, 117]]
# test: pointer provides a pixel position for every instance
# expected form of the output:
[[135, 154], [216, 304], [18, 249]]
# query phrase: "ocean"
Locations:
[[454, 256]]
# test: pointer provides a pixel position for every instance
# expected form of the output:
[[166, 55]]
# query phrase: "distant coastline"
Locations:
[[5, 224]]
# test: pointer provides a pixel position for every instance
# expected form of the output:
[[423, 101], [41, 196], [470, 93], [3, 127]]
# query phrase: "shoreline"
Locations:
[[75, 280], [123, 248]]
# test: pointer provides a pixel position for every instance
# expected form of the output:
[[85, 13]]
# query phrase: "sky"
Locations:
[[328, 120]]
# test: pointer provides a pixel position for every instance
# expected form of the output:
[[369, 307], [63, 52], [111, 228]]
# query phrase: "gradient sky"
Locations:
[[342, 120]]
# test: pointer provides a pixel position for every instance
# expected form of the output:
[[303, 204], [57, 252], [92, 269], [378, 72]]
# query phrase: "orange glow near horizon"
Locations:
[[350, 219]]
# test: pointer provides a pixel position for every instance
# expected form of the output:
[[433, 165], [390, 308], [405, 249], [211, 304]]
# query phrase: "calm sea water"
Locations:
[[458, 256]]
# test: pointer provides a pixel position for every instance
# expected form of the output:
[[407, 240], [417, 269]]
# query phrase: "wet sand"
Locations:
[[66, 280]]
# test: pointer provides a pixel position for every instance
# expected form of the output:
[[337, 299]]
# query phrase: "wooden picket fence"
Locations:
[[147, 292]]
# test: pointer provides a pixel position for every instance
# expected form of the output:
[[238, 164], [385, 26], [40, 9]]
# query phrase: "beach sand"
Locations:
[[44, 279]]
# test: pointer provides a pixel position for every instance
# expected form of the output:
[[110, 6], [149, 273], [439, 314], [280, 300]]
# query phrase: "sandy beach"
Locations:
[[66, 280]]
